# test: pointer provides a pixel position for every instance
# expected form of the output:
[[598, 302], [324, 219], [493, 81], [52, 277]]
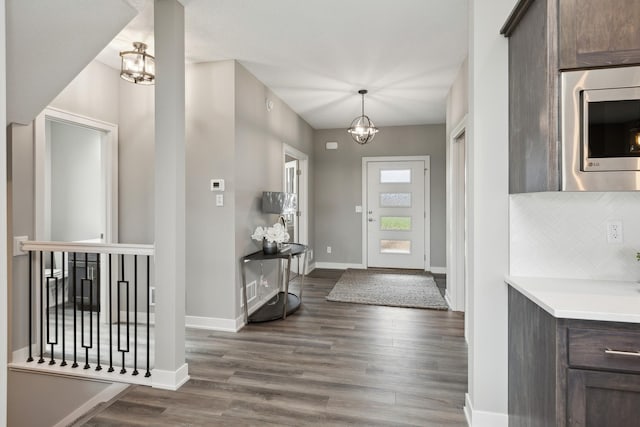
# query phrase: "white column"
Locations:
[[170, 369], [4, 308], [488, 207]]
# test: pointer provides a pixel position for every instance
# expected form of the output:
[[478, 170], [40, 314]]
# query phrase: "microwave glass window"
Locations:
[[614, 129]]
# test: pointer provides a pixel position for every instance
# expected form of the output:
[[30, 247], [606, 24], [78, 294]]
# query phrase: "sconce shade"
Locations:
[[138, 66], [277, 202]]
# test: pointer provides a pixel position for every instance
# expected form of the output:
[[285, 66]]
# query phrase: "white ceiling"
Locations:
[[317, 54]]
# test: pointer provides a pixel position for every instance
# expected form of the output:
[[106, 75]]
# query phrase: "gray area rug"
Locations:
[[396, 288]]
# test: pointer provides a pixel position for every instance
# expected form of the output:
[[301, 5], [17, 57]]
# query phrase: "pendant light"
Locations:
[[362, 129], [137, 65]]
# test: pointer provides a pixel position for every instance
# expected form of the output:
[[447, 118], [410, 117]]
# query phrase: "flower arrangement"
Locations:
[[276, 233]]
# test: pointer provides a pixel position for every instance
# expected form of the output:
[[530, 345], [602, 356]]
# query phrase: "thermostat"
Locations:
[[217, 185]]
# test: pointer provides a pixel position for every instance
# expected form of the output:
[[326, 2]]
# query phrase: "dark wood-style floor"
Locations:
[[328, 364]]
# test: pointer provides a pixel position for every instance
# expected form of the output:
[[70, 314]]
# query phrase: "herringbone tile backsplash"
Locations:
[[564, 234]]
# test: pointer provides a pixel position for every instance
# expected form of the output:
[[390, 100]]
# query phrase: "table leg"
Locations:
[[244, 293], [304, 272], [286, 288]]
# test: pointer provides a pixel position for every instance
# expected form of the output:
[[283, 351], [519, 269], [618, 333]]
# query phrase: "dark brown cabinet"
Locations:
[[533, 97], [603, 399], [594, 33], [546, 37], [565, 372]]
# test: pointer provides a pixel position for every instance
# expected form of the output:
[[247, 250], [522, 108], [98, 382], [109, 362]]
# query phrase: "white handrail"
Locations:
[[101, 248]]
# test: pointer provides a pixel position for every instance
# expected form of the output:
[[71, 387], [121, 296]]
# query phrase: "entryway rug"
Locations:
[[396, 288]]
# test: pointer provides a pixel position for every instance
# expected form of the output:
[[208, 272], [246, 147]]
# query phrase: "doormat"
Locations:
[[395, 288]]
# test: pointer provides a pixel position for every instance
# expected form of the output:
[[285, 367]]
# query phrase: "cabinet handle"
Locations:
[[622, 353]]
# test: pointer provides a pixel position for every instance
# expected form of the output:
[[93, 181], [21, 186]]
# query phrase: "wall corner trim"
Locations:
[[104, 396], [476, 418], [170, 380]]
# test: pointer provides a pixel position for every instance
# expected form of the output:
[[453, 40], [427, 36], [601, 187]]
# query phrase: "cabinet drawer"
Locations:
[[604, 349]]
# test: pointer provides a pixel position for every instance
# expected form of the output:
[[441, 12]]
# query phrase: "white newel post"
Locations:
[[170, 368]]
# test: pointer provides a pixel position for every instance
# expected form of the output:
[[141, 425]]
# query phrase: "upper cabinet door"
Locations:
[[596, 33]]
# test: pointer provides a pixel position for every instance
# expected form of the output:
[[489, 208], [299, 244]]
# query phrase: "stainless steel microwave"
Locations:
[[600, 132]]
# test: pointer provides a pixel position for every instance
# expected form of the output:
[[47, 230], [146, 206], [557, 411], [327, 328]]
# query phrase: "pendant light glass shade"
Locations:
[[362, 129], [138, 66]]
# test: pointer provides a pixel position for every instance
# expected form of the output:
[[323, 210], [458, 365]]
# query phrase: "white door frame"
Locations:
[[110, 167], [303, 189], [427, 203], [110, 163], [456, 251]]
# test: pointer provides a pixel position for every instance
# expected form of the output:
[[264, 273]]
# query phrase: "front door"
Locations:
[[395, 214]]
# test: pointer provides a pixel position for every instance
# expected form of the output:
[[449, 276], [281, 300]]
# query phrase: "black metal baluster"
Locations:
[[50, 278], [98, 367], [75, 312], [135, 315], [126, 284], [82, 297], [41, 360], [30, 358], [110, 319], [148, 374], [64, 358]]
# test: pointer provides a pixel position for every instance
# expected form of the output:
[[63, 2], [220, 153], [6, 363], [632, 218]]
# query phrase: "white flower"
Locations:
[[277, 233], [258, 234]]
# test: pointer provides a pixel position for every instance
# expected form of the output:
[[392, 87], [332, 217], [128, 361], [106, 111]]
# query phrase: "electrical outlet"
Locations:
[[328, 249], [614, 231]]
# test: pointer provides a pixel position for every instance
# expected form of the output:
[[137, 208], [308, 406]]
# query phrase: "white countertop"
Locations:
[[606, 300]]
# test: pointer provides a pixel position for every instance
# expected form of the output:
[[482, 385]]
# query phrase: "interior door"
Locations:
[[291, 186], [396, 214]]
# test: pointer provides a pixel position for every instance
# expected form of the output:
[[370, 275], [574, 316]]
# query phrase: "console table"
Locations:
[[284, 303]]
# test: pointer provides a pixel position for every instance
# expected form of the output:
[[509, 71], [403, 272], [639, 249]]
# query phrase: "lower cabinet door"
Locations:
[[602, 399]]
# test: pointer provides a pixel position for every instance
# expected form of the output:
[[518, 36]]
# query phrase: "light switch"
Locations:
[[219, 199]]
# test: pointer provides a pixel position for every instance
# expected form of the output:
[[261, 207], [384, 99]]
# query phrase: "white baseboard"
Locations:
[[21, 355], [477, 418], [104, 396], [215, 323], [338, 265], [311, 267], [438, 270], [170, 380]]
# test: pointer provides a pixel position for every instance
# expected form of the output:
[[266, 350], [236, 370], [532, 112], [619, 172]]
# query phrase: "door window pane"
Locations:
[[395, 176], [395, 247], [395, 223], [395, 200]]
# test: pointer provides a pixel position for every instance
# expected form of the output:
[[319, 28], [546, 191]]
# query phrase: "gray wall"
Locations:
[[135, 115], [34, 399], [210, 154], [260, 163], [458, 98], [338, 188], [77, 204], [91, 95], [229, 135]]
